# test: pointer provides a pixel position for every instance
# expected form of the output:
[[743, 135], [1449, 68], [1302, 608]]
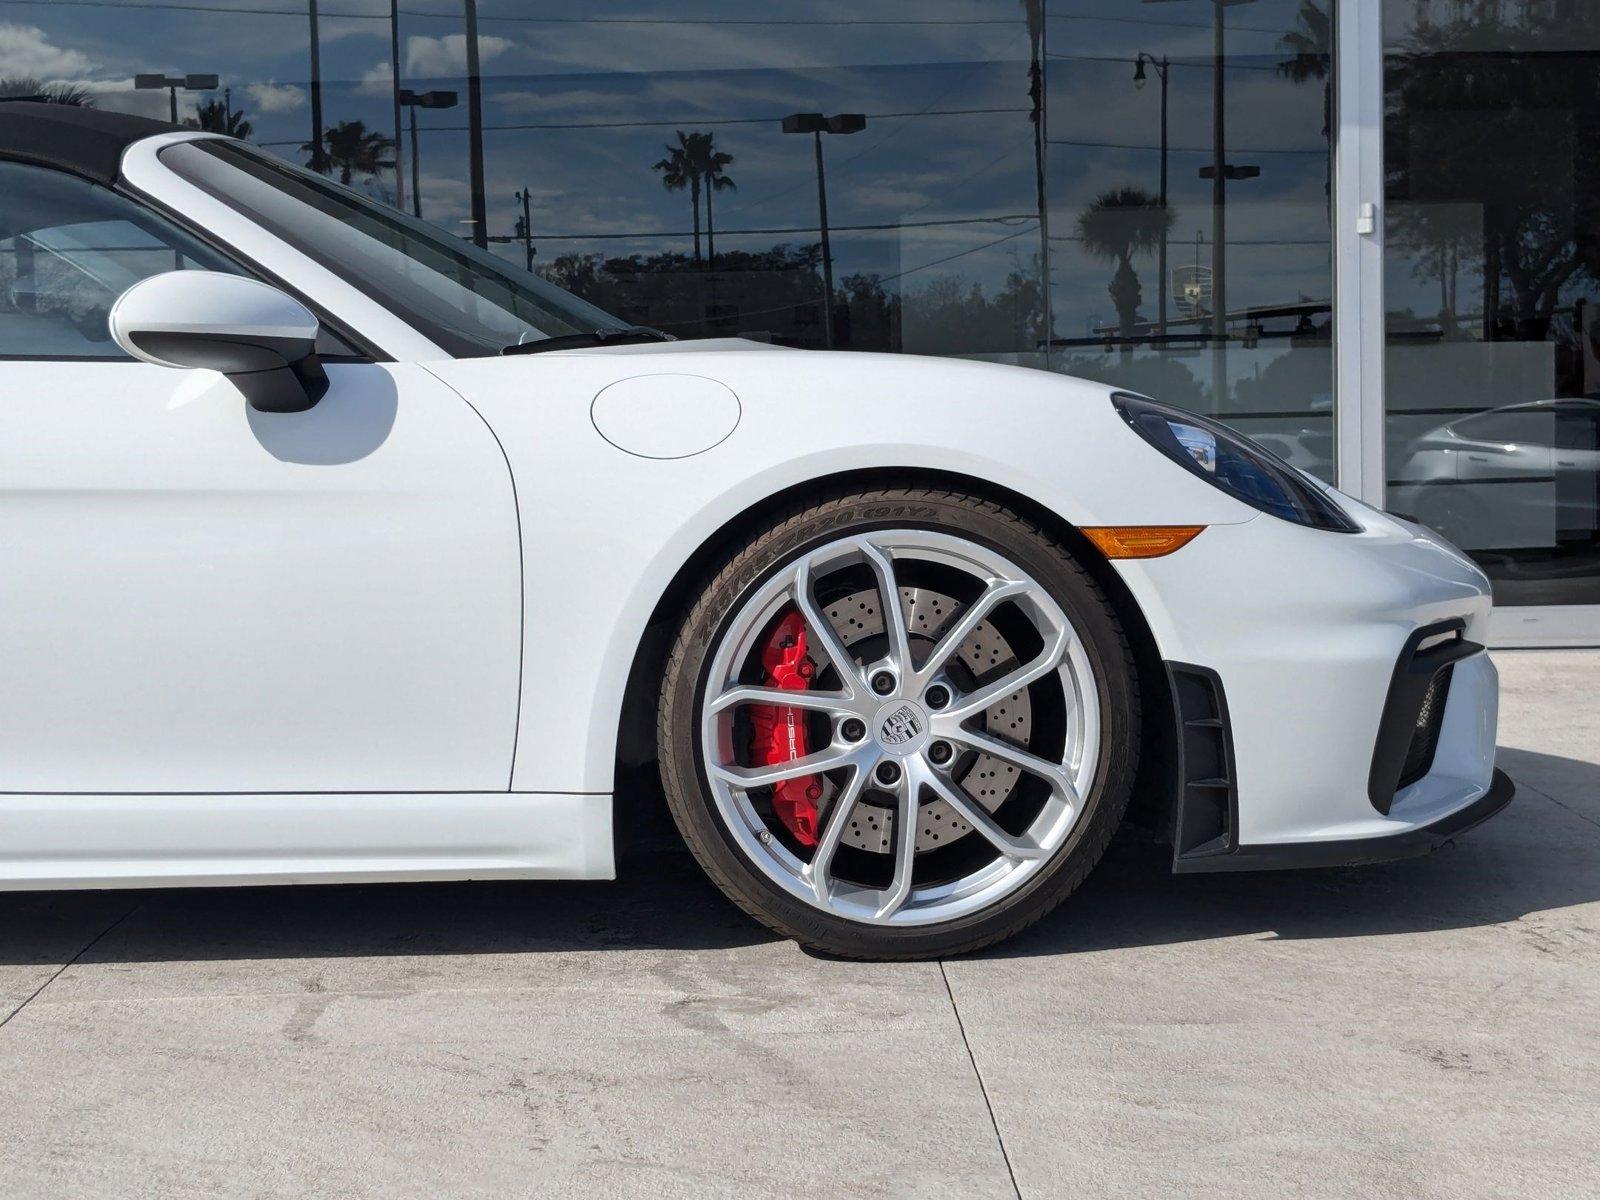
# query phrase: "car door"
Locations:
[[196, 597]]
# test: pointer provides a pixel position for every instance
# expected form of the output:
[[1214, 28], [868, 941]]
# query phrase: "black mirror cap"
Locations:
[[276, 375]]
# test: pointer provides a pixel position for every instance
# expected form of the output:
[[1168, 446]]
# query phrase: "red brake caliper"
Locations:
[[780, 731]]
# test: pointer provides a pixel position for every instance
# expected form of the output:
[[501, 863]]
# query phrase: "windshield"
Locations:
[[465, 299]]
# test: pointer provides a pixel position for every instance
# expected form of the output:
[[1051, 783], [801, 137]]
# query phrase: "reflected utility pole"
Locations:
[[319, 156], [816, 125], [480, 212], [525, 227]]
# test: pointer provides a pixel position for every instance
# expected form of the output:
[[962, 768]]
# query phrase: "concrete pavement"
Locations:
[[1427, 1029]]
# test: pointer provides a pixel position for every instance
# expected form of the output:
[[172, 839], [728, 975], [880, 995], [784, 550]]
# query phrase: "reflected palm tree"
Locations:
[[216, 117], [695, 165], [708, 163], [1310, 45], [31, 87], [676, 176], [1120, 223], [352, 148]]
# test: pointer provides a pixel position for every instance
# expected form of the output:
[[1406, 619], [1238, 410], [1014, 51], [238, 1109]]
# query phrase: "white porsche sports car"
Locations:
[[336, 549]]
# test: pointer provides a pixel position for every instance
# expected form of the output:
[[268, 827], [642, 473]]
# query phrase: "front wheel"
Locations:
[[899, 724]]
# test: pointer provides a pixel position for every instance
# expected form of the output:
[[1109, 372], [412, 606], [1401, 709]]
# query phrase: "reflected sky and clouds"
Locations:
[[576, 108], [934, 207]]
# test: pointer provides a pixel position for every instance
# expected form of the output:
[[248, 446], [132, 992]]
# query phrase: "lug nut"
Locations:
[[939, 752], [883, 683], [853, 729], [938, 696], [888, 773]]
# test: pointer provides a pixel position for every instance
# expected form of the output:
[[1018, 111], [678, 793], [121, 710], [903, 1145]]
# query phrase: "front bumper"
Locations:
[[1359, 852], [1301, 631]]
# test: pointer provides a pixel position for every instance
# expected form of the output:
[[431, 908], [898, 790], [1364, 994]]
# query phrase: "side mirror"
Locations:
[[261, 339]]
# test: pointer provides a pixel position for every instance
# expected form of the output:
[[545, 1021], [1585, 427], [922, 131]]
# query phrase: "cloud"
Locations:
[[26, 50], [435, 57], [272, 97], [578, 101], [377, 80]]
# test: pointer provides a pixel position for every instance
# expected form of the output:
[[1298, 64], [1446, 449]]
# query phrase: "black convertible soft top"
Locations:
[[85, 141]]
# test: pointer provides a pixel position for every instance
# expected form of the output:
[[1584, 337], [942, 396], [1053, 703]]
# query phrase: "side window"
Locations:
[[68, 249]]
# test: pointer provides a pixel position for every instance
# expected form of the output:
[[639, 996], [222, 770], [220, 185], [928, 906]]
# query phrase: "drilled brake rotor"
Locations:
[[988, 780]]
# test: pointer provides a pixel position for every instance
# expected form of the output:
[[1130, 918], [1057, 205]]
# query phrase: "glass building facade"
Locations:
[[1365, 232]]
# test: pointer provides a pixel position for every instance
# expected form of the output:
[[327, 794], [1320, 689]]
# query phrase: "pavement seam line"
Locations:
[[59, 971], [982, 1087], [1538, 791]]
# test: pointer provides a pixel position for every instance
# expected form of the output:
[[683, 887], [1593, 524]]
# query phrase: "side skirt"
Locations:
[[80, 841]]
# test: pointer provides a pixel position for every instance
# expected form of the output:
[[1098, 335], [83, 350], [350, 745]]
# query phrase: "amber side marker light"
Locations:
[[1141, 541]]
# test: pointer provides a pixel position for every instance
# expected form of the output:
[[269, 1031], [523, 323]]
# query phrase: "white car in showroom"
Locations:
[[335, 549]]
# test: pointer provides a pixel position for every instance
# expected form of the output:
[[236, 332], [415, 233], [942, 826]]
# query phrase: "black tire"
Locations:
[[821, 519]]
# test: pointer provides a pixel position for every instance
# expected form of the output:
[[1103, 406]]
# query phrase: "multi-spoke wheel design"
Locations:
[[952, 721]]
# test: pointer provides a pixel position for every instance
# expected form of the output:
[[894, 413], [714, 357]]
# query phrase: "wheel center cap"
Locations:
[[901, 728]]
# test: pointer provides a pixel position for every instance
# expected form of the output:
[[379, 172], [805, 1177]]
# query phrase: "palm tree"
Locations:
[[677, 175], [216, 117], [706, 163], [1120, 223], [353, 148], [31, 87], [1310, 45]]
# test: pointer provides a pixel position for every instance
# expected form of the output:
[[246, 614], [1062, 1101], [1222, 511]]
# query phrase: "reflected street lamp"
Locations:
[[1219, 172], [189, 83], [413, 101], [1160, 67], [816, 125]]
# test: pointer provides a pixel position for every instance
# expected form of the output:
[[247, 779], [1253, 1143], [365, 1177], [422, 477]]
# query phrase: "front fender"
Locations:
[[605, 532]]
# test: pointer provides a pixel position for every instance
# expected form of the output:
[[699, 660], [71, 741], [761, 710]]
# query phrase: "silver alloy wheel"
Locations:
[[903, 728]]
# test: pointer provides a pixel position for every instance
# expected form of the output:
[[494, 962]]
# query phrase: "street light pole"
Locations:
[[1219, 220], [816, 125], [319, 157], [480, 211], [407, 98], [394, 91], [189, 83], [827, 249], [1161, 68], [416, 174], [1219, 172]]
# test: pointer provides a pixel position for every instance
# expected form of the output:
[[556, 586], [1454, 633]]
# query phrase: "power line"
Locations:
[[1207, 65], [939, 262], [535, 19], [1004, 219], [538, 20], [1182, 149], [680, 122]]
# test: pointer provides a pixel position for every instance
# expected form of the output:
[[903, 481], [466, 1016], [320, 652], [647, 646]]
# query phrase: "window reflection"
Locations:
[[1492, 260], [1137, 192], [1189, 175]]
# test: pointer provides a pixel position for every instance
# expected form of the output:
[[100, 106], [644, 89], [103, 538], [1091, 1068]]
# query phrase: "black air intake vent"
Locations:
[[1413, 713], [1206, 821]]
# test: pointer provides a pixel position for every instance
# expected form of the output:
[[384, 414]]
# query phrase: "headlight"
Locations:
[[1233, 463]]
